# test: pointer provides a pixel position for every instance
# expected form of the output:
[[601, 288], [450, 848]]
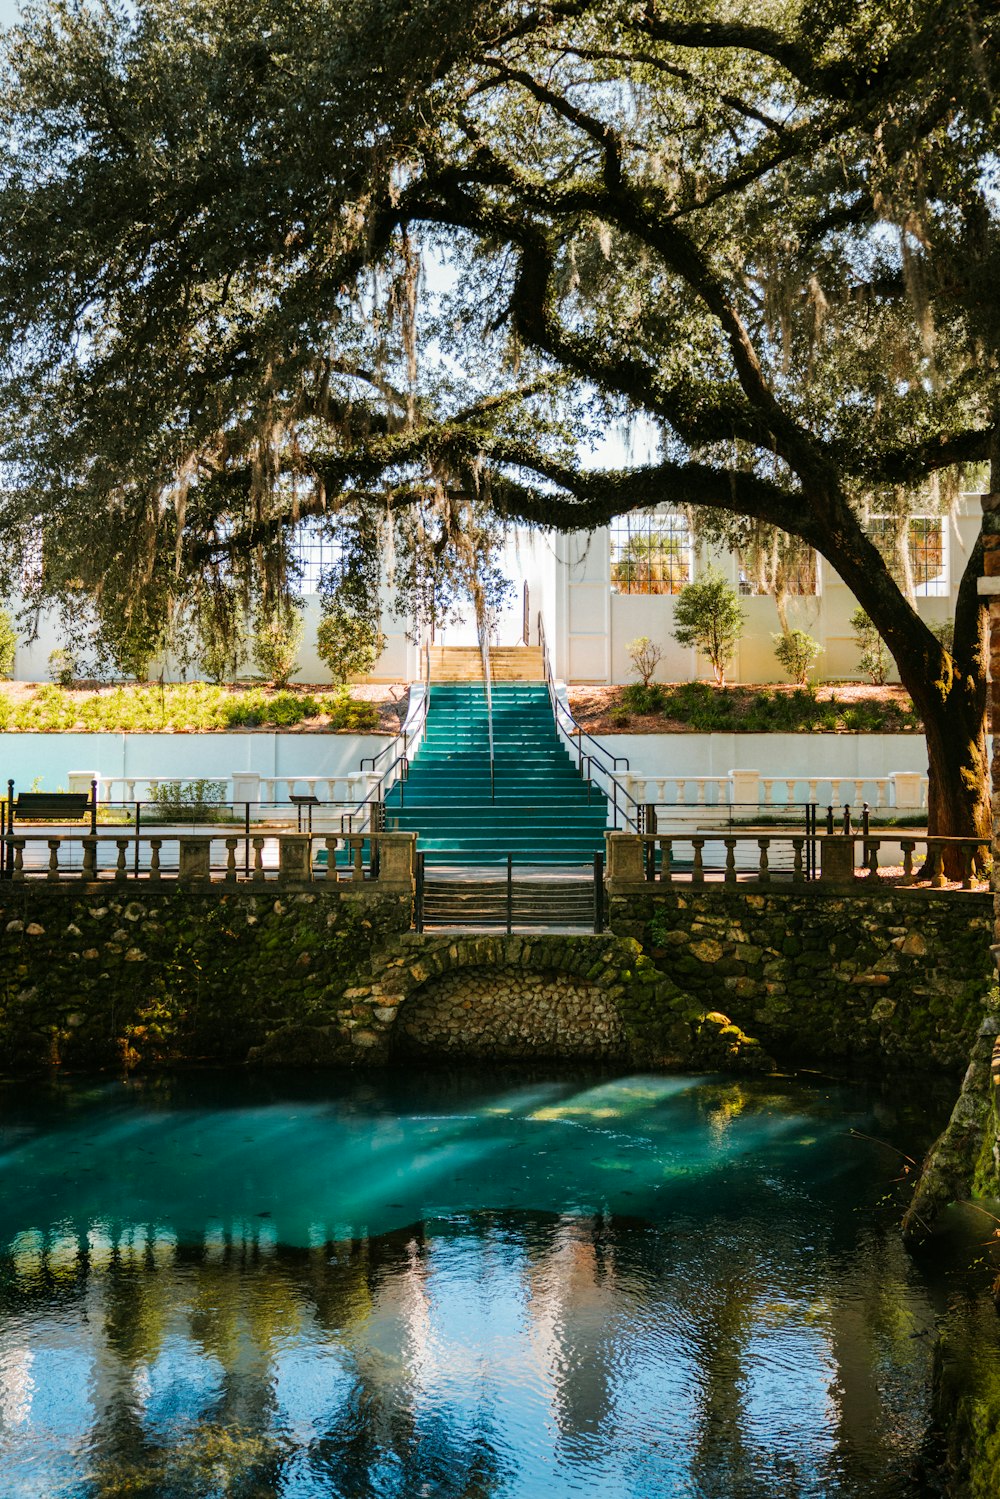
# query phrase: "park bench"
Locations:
[[50, 806]]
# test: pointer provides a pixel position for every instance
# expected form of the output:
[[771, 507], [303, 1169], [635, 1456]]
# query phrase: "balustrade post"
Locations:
[[155, 844], [836, 859], [258, 859], [871, 848], [395, 860], [730, 875], [968, 857], [907, 845], [763, 868], [697, 866], [798, 877], [231, 846], [89, 870], [624, 859], [17, 844], [666, 873], [294, 862], [121, 872], [331, 844], [52, 873], [194, 858], [935, 851]]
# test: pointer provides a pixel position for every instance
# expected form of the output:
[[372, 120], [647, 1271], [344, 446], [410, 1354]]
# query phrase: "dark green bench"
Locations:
[[42, 806], [51, 806]]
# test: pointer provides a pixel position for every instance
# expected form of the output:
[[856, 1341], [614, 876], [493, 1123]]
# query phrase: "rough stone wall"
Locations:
[[122, 974], [862, 974], [509, 1013], [104, 975]]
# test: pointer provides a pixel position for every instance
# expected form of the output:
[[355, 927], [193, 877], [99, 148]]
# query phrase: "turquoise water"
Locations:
[[475, 1285]]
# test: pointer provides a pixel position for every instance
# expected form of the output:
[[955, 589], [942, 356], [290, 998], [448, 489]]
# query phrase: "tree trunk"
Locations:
[[958, 796], [948, 688], [953, 707]]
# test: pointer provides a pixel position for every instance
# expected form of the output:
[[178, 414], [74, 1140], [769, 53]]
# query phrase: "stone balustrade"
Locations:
[[636, 860], [904, 790], [198, 858]]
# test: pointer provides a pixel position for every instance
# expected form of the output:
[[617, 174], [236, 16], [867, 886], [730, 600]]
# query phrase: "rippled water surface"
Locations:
[[465, 1285]]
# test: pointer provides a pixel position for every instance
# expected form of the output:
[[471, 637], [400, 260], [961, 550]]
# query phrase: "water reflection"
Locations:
[[642, 1286]]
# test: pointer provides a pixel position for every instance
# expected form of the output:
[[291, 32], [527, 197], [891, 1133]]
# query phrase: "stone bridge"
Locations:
[[507, 998]]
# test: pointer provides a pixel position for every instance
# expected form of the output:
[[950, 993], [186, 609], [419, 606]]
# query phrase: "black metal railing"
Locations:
[[623, 804]]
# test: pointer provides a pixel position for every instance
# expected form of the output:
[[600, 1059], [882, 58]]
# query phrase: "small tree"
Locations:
[[796, 653], [645, 657], [874, 660], [348, 644], [276, 641], [708, 615], [8, 645], [62, 667]]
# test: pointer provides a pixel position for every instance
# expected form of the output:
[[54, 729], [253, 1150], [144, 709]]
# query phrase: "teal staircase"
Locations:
[[540, 813]]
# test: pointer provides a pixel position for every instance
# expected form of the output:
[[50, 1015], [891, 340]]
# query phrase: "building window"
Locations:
[[780, 573], [926, 551], [650, 552], [314, 552]]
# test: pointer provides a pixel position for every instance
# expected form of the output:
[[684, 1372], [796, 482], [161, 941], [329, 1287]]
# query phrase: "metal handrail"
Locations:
[[371, 761], [484, 650], [560, 707], [594, 759]]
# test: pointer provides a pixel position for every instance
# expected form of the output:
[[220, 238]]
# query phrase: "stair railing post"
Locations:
[[418, 892], [510, 894], [598, 893]]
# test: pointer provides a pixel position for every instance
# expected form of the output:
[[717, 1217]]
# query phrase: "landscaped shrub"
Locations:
[[62, 666], [645, 657], [796, 653], [8, 644], [187, 801], [192, 706], [276, 642], [874, 660], [707, 615], [348, 644], [761, 710], [642, 699]]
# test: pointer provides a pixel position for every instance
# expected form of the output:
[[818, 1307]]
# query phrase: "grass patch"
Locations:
[[762, 710], [181, 707]]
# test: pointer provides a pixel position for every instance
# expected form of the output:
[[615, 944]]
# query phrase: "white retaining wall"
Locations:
[[867, 755], [50, 758]]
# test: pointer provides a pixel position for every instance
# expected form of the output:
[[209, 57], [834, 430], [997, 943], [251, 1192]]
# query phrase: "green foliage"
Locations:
[[796, 652], [874, 660], [645, 657], [180, 706], [761, 710], [276, 640], [642, 698], [187, 801], [348, 644], [62, 666], [8, 644], [220, 654], [707, 615], [194, 358]]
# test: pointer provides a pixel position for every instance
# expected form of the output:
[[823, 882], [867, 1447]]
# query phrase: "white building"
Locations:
[[595, 592]]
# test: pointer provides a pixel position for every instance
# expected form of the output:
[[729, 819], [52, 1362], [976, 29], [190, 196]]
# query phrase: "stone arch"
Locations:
[[508, 998]]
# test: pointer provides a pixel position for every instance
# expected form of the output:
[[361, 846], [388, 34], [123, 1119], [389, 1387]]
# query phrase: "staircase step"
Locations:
[[483, 903]]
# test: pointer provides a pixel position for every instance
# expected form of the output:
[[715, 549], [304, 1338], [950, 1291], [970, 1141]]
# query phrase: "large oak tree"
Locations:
[[260, 262]]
